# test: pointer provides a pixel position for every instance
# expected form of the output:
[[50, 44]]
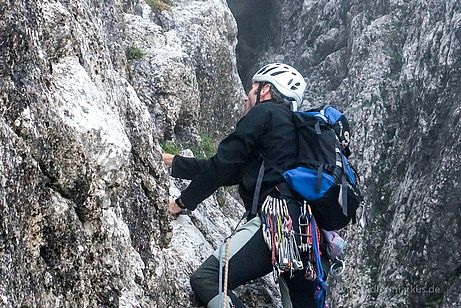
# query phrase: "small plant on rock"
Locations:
[[170, 147], [160, 5], [206, 148], [134, 53]]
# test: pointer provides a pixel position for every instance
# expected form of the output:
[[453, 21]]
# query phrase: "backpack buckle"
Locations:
[[329, 168]]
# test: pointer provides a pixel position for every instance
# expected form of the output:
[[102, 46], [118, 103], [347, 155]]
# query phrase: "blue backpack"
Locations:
[[323, 176]]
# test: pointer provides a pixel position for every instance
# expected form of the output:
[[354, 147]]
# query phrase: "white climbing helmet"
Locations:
[[286, 79]]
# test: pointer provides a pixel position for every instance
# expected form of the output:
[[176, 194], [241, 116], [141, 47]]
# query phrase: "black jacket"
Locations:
[[267, 128]]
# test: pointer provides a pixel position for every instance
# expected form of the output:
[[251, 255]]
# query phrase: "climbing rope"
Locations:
[[226, 272], [224, 263]]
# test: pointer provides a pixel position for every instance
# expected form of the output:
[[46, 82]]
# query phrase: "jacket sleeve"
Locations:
[[186, 167], [225, 167]]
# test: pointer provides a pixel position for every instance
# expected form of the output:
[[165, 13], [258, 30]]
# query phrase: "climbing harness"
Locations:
[[280, 237]]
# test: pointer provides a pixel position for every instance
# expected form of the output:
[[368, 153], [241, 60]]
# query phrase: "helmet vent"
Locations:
[[262, 69], [278, 73], [294, 88], [289, 82], [268, 70]]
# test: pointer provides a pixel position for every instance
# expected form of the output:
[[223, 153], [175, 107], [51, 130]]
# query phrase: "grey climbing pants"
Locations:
[[249, 259]]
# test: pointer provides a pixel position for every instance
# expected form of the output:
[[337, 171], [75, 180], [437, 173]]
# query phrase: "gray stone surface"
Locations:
[[83, 221], [83, 192], [394, 67]]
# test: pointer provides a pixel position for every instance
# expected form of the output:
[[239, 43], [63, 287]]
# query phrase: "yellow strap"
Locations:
[[309, 210]]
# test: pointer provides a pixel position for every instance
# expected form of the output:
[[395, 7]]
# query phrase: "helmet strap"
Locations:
[[258, 92]]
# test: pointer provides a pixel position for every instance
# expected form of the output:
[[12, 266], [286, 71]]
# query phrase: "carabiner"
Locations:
[[338, 267]]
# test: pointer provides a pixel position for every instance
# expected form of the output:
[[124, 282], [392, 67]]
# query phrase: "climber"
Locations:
[[266, 127]]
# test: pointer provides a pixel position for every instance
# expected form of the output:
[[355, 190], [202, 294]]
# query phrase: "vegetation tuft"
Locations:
[[134, 53], [160, 5], [207, 146], [205, 149], [170, 147]]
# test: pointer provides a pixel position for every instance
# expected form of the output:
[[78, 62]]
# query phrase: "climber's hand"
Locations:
[[173, 207], [167, 159]]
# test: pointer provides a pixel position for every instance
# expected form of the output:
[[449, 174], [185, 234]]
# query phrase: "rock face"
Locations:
[[191, 52], [395, 68], [88, 90]]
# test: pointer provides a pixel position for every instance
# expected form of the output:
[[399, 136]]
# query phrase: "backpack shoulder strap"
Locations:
[[264, 161], [254, 205]]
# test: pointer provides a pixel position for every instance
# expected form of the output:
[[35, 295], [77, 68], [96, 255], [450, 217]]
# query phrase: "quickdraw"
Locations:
[[307, 241], [280, 237], [304, 230]]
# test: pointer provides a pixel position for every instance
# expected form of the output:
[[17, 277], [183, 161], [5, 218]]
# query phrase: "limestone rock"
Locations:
[[89, 90], [83, 194], [394, 67]]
